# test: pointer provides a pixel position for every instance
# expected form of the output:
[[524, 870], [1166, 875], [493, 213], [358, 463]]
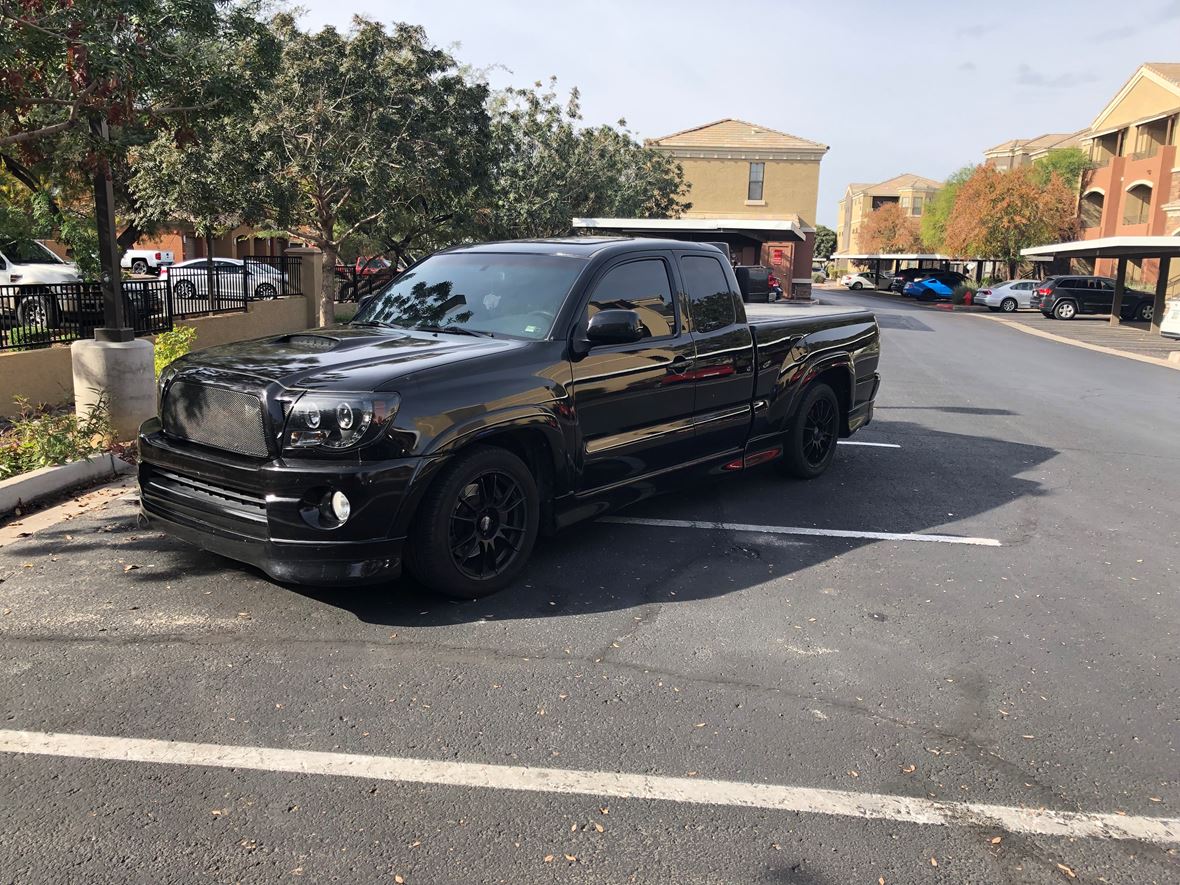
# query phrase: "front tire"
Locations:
[[1065, 310], [185, 289], [475, 530], [810, 443]]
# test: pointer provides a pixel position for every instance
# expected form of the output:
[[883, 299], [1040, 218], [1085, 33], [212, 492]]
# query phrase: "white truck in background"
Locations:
[[142, 261]]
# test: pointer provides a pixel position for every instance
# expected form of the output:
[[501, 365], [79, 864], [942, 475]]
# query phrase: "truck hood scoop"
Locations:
[[309, 343]]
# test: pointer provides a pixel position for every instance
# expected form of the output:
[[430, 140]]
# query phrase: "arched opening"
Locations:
[[1092, 203], [1137, 204]]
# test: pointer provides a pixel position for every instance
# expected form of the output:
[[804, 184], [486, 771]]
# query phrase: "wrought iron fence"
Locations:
[[38, 316], [366, 276]]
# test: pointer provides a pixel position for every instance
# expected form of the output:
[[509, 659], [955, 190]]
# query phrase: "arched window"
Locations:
[[1092, 203], [1138, 204]]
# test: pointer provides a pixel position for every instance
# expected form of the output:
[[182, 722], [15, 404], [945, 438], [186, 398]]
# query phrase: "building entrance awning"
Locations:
[[1123, 249]]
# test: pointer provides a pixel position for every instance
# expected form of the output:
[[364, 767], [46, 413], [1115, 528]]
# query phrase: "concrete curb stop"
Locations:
[[30, 487]]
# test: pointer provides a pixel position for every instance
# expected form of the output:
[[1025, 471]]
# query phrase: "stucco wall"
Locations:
[[45, 376], [719, 188], [1146, 98]]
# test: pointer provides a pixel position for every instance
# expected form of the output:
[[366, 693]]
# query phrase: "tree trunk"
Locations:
[[328, 286], [1011, 268], [213, 294]]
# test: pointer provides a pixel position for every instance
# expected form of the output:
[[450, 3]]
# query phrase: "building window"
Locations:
[[1138, 205], [917, 205], [757, 174]]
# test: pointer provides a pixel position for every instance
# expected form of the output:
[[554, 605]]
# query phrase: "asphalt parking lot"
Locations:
[[755, 681]]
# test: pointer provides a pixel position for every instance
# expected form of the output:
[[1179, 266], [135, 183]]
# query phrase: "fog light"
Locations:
[[339, 506]]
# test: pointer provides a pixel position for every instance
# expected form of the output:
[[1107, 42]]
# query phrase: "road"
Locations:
[[1033, 666]]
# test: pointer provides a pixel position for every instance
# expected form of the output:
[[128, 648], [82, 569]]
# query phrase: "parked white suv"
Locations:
[[140, 261]]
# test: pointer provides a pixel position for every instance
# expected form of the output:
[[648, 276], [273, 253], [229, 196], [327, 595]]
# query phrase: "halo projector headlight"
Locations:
[[336, 421]]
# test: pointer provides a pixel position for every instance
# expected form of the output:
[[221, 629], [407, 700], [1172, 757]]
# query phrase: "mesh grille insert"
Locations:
[[214, 416]]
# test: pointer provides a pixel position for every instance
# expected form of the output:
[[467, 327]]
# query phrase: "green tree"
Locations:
[[825, 242], [997, 214], [938, 210], [74, 68], [548, 169], [373, 132], [1068, 164]]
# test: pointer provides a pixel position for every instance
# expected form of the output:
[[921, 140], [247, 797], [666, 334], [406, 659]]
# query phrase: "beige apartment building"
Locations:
[[1018, 152], [913, 192], [746, 172]]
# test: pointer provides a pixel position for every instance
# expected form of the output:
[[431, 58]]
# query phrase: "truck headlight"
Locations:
[[336, 421]]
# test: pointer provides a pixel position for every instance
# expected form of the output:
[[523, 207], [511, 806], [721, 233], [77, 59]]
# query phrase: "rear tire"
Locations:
[[139, 266], [1009, 305], [1065, 310], [856, 287], [810, 442], [475, 529]]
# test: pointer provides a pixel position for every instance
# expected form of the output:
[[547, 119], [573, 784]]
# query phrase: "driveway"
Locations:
[[953, 658]]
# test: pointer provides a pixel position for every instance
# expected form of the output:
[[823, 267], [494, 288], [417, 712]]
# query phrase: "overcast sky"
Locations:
[[905, 86]]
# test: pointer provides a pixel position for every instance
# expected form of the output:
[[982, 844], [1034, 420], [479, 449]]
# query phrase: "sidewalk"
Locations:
[[1131, 340]]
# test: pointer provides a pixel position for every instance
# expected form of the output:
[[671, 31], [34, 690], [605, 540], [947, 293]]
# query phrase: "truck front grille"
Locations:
[[215, 416]]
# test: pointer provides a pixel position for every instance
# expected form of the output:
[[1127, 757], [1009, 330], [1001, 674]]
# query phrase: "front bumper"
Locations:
[[260, 512]]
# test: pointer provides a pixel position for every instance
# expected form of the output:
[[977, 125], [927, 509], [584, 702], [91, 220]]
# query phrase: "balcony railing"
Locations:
[[1147, 153]]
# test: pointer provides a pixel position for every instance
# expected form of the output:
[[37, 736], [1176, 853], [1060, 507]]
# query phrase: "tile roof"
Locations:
[[731, 133], [1040, 143], [891, 186], [1169, 70]]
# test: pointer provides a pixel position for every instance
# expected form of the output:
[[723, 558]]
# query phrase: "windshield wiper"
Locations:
[[457, 330], [372, 323]]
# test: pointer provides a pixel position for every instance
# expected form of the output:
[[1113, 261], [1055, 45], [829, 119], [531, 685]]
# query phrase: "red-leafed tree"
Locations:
[[997, 214], [889, 229]]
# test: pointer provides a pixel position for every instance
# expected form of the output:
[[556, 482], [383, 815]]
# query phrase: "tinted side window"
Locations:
[[641, 286], [708, 291]]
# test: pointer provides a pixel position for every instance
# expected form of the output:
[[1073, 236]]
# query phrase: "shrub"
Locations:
[[818, 278], [41, 438], [173, 345], [28, 337]]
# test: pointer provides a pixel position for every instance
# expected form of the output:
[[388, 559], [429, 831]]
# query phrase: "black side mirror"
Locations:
[[614, 327]]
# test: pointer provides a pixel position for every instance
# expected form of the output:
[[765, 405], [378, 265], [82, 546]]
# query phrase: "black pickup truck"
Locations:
[[489, 394]]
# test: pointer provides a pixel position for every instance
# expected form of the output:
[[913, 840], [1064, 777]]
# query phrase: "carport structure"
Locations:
[[932, 260], [1123, 249]]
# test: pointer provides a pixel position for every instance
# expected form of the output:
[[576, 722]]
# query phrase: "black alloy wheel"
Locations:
[[185, 289], [475, 529], [810, 443], [487, 525], [266, 291]]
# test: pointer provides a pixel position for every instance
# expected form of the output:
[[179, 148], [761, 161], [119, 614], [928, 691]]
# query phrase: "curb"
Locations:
[[29, 487], [1098, 348]]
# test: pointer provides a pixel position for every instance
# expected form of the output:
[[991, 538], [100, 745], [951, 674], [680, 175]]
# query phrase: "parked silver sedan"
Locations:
[[231, 277], [1008, 296]]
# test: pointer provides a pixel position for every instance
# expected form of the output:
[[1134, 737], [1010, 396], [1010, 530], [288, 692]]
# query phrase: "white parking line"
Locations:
[[799, 530], [693, 791], [857, 442]]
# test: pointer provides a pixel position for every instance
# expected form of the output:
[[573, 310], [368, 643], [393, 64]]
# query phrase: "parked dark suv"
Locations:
[[1064, 297], [909, 274]]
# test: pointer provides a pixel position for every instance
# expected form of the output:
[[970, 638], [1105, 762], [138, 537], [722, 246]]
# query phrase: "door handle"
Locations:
[[679, 365]]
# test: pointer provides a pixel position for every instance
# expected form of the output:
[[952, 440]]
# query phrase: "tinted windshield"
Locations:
[[500, 293], [28, 252]]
